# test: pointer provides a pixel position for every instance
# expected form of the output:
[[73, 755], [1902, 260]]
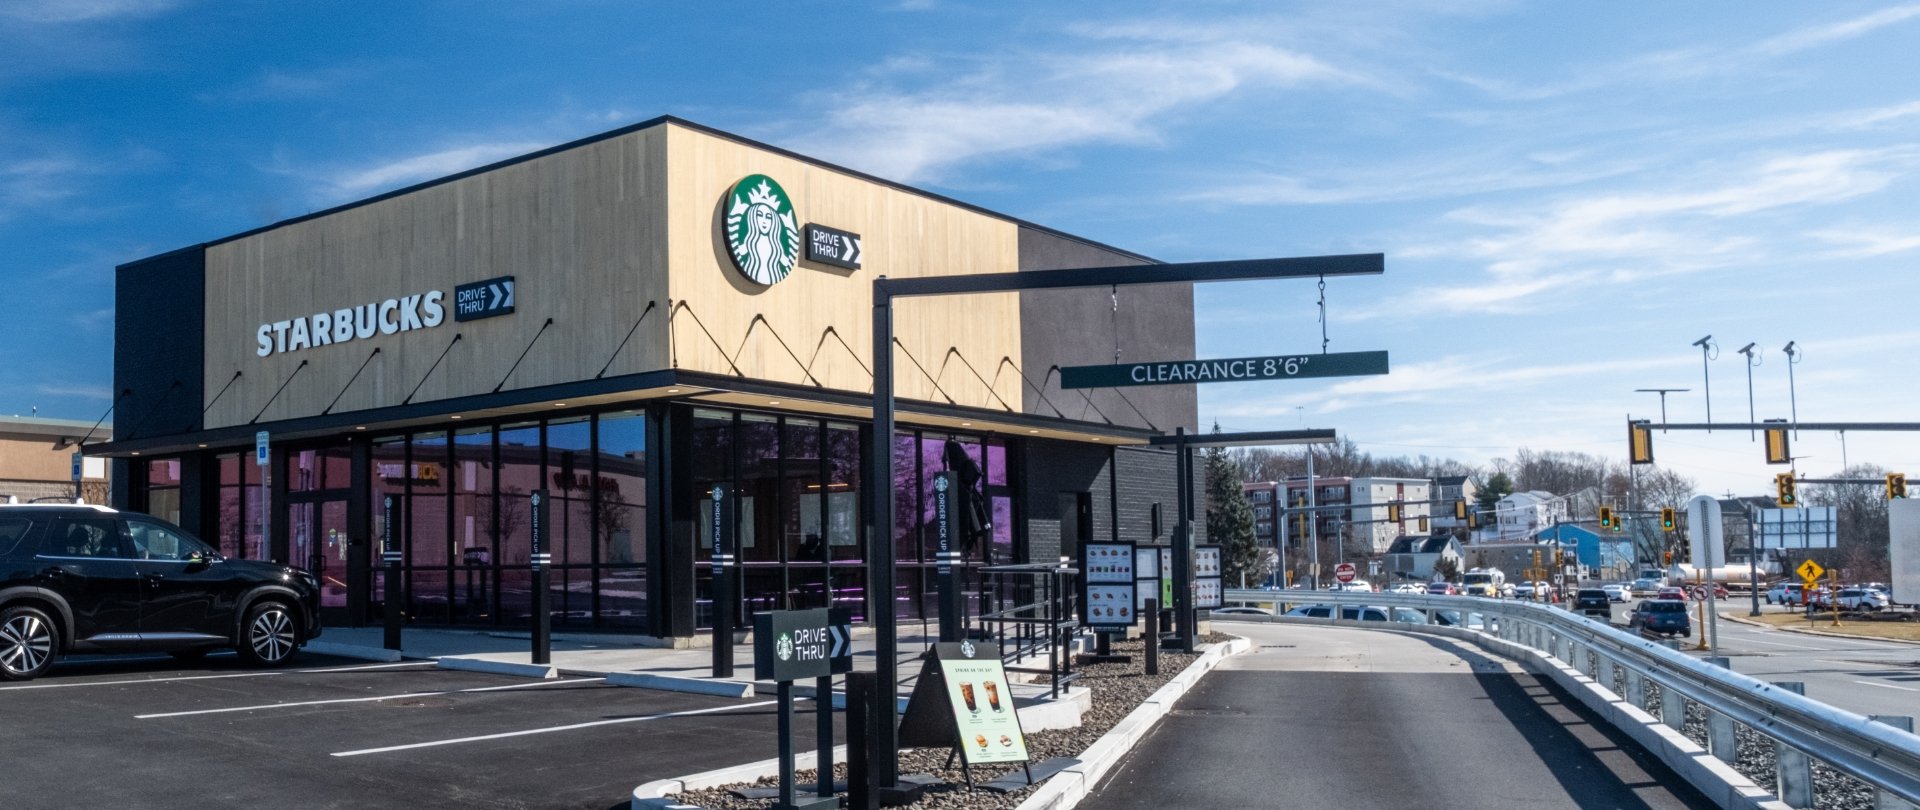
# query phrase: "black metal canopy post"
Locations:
[[1183, 613], [723, 572], [880, 506], [541, 559], [391, 558]]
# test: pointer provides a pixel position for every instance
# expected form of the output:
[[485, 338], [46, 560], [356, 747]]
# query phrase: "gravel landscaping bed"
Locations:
[[1117, 690]]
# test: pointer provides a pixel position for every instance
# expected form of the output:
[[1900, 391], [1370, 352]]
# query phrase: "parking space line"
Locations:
[[551, 729], [375, 699], [215, 677]]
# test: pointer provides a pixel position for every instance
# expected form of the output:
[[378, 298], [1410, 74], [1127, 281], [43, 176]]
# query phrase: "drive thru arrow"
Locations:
[[852, 249], [842, 635]]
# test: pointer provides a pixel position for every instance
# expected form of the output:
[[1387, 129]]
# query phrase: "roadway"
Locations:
[[1322, 716], [1864, 676]]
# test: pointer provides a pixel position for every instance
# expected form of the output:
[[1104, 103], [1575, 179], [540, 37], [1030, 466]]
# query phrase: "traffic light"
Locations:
[[1896, 485], [1460, 510], [1559, 560], [1606, 517], [1536, 558], [1473, 520], [1393, 512], [1666, 558], [1423, 524], [1666, 518], [1783, 491], [1639, 442], [1777, 444]]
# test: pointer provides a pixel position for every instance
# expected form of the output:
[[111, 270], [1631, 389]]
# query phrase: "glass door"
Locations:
[[317, 532]]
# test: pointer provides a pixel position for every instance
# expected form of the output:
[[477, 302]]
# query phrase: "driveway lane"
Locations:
[[1332, 717]]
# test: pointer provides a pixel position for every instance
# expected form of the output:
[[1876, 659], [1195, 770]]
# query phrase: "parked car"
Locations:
[[1593, 602], [1863, 599], [1645, 587], [1409, 587], [88, 579], [1241, 611], [1671, 592], [1368, 613], [1523, 590], [1441, 589], [1667, 617], [1617, 592], [1784, 593]]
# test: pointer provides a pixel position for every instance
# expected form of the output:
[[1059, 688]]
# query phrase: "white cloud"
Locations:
[[1858, 243], [415, 168], [1122, 92], [28, 183], [1819, 35], [99, 392], [71, 11]]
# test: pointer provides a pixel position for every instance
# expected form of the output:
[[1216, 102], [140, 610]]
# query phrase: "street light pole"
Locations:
[[1793, 401], [1751, 357], [1706, 345]]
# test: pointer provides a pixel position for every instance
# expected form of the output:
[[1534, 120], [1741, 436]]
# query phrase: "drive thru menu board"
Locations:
[[982, 707], [1146, 570], [1109, 576], [1206, 577]]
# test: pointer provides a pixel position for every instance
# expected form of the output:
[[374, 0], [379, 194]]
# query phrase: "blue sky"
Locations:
[[1568, 194]]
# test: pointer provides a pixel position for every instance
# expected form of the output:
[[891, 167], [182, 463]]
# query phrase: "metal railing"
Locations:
[[1803, 730], [1029, 611]]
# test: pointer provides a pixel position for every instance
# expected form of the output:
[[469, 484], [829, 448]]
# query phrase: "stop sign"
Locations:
[[1343, 572]]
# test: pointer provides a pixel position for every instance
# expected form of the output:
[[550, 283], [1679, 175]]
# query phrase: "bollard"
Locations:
[[1153, 639], [863, 787], [1882, 800]]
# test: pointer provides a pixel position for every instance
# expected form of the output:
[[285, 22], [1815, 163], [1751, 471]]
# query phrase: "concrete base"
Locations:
[[541, 671]]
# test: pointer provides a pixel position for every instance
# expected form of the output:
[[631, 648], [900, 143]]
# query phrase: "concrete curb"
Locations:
[[540, 671], [675, 683], [352, 651], [1095, 761], [1067, 788]]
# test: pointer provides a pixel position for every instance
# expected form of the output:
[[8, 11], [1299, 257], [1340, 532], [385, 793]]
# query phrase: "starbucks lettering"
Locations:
[[404, 314]]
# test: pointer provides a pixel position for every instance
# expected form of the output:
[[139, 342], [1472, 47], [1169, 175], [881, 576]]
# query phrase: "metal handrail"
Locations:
[[1047, 620], [1875, 753]]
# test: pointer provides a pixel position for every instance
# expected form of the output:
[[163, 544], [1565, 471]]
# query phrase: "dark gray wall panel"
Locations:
[[159, 323], [1078, 327]]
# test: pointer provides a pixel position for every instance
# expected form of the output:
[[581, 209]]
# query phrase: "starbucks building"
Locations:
[[625, 322]]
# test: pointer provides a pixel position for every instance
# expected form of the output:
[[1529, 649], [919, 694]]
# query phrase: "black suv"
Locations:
[[77, 578], [1593, 602]]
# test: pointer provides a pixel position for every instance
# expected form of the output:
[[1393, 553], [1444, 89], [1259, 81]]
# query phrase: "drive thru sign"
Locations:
[[1343, 572]]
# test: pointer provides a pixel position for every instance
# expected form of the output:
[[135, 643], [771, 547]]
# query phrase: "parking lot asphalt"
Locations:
[[334, 733]]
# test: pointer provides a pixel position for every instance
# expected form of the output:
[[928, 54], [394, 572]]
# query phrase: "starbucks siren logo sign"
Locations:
[[761, 231]]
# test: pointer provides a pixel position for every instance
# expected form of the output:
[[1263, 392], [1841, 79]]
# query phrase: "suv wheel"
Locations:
[[28, 643], [270, 635]]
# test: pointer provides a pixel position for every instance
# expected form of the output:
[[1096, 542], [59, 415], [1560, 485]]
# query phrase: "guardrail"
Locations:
[[1803, 730], [1031, 614]]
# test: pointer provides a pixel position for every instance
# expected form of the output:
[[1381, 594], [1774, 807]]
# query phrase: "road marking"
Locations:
[[375, 699], [1784, 644], [1889, 686], [550, 729], [216, 677]]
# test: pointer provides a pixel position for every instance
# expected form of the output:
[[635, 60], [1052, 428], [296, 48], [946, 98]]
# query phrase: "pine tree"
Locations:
[[1230, 521]]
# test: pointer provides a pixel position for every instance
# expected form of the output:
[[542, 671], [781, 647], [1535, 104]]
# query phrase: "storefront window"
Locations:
[[388, 480], [847, 580], [237, 527], [620, 467], [163, 489], [324, 468], [570, 516]]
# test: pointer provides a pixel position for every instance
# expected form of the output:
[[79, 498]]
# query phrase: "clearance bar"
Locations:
[[1171, 372]]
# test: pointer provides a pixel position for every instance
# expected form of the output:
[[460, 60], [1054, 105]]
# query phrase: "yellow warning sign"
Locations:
[[1810, 571]]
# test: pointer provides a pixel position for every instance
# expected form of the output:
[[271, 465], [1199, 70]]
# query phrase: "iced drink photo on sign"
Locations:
[[993, 695], [966, 694], [980, 740]]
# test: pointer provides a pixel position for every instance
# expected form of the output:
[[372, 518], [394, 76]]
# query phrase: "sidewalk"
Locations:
[[638, 662]]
